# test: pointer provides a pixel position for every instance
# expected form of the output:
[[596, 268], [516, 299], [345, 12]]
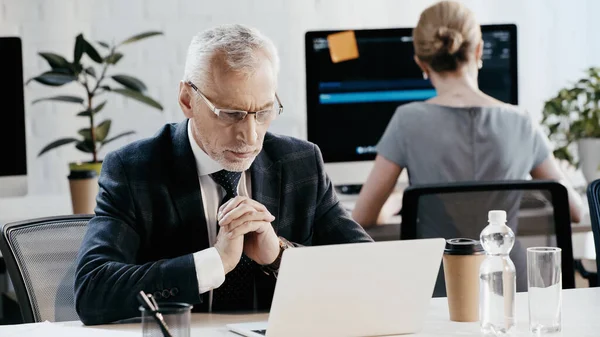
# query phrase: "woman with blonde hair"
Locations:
[[461, 134]]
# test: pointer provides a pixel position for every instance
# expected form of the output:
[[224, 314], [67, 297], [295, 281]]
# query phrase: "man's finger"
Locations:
[[250, 216], [223, 230], [247, 227], [230, 204], [236, 202], [235, 213], [255, 204]]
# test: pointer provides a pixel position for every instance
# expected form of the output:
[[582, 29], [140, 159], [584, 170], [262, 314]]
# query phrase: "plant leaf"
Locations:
[[553, 128], [102, 130], [117, 137], [106, 87], [95, 110], [130, 82], [56, 143], [113, 58], [69, 99], [140, 37], [85, 146], [75, 68], [54, 79], [84, 113], [139, 97], [104, 44], [99, 107], [92, 52], [55, 61], [79, 48], [91, 71], [85, 133]]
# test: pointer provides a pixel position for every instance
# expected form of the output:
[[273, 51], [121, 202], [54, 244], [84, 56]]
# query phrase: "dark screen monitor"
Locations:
[[350, 103], [13, 155]]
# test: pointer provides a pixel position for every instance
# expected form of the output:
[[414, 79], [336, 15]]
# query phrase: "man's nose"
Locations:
[[247, 130]]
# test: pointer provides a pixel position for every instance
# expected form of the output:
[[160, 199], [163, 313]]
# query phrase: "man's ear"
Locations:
[[185, 100]]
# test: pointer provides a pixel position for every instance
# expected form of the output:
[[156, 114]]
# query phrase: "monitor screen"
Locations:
[[13, 158], [350, 103]]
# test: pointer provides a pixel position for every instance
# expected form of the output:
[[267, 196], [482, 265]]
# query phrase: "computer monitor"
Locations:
[[13, 156], [350, 103]]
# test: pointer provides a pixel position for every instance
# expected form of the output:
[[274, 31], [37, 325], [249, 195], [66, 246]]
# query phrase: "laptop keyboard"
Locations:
[[260, 332]]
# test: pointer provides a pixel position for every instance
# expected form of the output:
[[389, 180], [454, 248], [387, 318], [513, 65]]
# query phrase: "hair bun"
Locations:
[[448, 40]]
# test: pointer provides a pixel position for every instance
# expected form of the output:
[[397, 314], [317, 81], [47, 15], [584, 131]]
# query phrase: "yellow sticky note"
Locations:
[[342, 46]]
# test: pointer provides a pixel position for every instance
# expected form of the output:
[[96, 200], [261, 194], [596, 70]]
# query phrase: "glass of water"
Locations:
[[544, 276]]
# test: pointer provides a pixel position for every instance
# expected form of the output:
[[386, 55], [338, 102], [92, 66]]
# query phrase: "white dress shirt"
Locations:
[[209, 267]]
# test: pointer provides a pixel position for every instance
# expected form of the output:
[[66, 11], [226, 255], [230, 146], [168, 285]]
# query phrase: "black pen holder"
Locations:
[[177, 317]]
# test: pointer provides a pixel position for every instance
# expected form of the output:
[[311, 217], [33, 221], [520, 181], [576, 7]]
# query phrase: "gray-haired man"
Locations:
[[201, 212]]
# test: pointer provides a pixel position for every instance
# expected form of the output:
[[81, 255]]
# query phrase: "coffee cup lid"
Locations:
[[83, 174], [463, 246]]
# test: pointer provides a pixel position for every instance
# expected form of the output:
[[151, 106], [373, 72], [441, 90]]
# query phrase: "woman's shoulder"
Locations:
[[416, 109], [410, 114], [425, 110], [510, 111], [409, 107]]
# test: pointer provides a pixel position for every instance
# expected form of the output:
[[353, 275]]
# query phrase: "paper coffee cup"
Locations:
[[462, 258], [84, 189]]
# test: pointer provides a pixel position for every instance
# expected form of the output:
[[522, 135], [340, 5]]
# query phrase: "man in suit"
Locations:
[[202, 212]]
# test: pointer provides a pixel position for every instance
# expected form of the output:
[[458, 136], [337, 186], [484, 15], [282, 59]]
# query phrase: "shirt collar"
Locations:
[[205, 165]]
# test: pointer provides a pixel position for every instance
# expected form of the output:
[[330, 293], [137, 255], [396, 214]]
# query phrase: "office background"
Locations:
[[557, 41]]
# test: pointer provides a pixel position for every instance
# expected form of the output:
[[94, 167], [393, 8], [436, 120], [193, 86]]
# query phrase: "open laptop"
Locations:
[[361, 289]]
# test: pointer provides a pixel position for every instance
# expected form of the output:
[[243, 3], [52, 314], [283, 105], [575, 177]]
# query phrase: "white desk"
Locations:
[[580, 319]]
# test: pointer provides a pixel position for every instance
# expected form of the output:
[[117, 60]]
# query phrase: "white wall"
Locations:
[[556, 42]]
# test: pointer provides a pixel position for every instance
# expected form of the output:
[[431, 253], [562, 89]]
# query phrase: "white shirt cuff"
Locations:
[[209, 269]]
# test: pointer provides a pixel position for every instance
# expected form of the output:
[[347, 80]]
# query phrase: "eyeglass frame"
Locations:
[[217, 111]]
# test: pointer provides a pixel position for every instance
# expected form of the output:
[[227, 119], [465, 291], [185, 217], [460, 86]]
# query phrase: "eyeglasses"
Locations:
[[230, 116]]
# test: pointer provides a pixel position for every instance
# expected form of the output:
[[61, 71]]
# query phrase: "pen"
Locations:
[[148, 305]]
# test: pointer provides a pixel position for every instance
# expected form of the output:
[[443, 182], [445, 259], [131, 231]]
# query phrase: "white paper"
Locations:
[[47, 329]]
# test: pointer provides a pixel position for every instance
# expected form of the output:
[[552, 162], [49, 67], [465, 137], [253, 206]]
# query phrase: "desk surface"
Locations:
[[579, 319]]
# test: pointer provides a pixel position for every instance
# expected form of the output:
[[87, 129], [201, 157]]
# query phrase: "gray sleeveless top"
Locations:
[[439, 144]]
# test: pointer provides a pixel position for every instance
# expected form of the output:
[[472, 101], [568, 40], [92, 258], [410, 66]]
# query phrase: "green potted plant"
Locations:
[[572, 119], [95, 82]]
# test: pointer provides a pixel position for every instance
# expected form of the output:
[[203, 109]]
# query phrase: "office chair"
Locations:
[[593, 195], [40, 257], [537, 211]]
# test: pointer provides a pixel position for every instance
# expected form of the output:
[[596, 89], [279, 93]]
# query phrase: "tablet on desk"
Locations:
[[358, 289]]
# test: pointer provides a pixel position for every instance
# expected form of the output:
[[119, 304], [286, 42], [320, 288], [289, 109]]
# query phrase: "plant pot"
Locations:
[[589, 158], [86, 166], [83, 184]]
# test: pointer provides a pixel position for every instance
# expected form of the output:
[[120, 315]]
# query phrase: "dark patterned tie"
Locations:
[[237, 292]]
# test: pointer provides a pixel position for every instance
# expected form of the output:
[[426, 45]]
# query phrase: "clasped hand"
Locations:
[[245, 227]]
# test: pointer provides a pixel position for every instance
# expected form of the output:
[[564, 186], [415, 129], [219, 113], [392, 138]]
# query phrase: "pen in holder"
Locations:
[[164, 320]]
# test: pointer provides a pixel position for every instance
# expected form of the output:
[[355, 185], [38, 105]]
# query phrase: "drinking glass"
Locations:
[[544, 277]]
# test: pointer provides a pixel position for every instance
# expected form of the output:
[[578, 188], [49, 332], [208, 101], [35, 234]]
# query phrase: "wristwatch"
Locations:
[[273, 268]]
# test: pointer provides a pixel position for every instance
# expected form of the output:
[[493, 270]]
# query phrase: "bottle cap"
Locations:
[[497, 216]]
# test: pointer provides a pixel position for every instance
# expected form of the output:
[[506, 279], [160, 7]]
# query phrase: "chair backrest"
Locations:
[[537, 211], [593, 195], [40, 257]]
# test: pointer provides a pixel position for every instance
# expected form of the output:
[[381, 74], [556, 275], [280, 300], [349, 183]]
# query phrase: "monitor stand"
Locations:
[[348, 189]]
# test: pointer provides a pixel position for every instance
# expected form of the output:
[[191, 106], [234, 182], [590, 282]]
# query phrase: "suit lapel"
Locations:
[[185, 186], [266, 184]]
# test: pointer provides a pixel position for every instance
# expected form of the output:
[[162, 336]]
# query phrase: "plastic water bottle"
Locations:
[[497, 278]]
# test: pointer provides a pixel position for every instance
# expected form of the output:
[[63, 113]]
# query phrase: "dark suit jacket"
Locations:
[[150, 220]]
